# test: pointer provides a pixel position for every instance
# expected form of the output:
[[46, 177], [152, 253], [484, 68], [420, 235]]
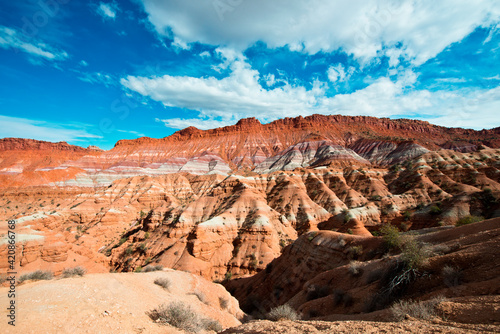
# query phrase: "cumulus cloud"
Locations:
[[107, 10], [338, 73], [223, 101], [412, 30], [12, 39], [41, 130]]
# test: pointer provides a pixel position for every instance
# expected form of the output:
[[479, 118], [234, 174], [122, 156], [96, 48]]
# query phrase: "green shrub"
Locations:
[[414, 254], [468, 220], [37, 276], [390, 236], [435, 210], [76, 271], [283, 312]]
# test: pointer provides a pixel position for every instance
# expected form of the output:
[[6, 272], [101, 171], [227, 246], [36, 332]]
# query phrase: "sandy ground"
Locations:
[[109, 303]]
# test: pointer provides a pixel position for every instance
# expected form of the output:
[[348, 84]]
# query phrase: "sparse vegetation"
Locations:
[[223, 303], [424, 310], [183, 317], [163, 282], [414, 254], [435, 210], [148, 269], [355, 268], [283, 312], [452, 276], [391, 237], [71, 272], [316, 292], [201, 297], [37, 276], [468, 220]]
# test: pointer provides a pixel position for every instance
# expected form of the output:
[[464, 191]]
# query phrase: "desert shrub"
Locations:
[[452, 276], [283, 312], [183, 317], [70, 272], [318, 292], [163, 282], [435, 210], [138, 269], [390, 236], [211, 325], [223, 302], [129, 250], [148, 269], [3, 278], [424, 310], [468, 220], [37, 276], [201, 296], [414, 254], [228, 276], [355, 268], [354, 252], [407, 215]]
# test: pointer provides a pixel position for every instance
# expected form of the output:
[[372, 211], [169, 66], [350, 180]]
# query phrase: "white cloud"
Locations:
[[11, 38], [97, 77], [203, 124], [337, 73], [270, 80], [41, 130], [107, 10], [83, 63], [414, 30], [205, 54], [223, 101]]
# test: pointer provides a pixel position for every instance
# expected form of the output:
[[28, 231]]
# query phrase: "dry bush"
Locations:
[[316, 292], [452, 276], [283, 312], [201, 296], [183, 317], [223, 302], [355, 268], [424, 310], [163, 282], [76, 271], [148, 269], [37, 276]]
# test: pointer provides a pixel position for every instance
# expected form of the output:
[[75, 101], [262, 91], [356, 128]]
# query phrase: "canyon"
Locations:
[[273, 211]]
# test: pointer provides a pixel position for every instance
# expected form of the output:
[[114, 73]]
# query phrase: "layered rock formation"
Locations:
[[228, 226], [248, 145]]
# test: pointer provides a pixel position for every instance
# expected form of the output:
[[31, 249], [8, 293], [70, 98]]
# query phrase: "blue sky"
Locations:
[[91, 73]]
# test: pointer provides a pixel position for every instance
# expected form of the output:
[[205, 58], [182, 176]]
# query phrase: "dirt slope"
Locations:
[[112, 303]]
